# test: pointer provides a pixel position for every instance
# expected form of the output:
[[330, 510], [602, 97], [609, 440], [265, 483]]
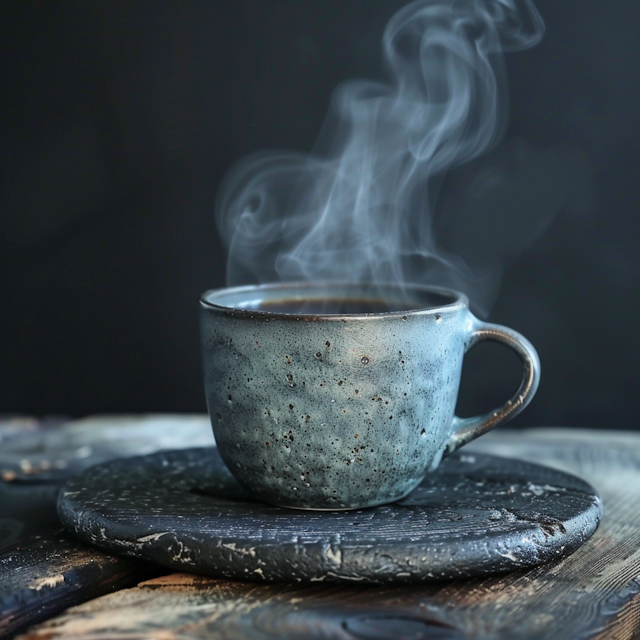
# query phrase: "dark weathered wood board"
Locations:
[[42, 569], [27, 510], [593, 593], [52, 451], [37, 457], [42, 577], [475, 515]]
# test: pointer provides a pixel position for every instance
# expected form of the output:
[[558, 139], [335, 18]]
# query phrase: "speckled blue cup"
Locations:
[[318, 405]]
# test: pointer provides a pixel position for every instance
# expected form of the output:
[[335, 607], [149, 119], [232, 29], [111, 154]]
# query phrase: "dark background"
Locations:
[[119, 120]]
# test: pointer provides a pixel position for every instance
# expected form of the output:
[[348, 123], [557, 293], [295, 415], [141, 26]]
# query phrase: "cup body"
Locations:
[[331, 411]]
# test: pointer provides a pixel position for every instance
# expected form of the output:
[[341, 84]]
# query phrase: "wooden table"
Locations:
[[595, 593]]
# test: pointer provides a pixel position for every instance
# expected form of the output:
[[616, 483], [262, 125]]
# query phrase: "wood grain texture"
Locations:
[[475, 515], [593, 593], [42, 577], [38, 456], [27, 510], [34, 451], [43, 570]]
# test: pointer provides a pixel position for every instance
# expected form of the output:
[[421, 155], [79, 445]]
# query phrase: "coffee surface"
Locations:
[[345, 306], [335, 306]]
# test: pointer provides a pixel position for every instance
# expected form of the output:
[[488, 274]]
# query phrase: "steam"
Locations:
[[360, 209]]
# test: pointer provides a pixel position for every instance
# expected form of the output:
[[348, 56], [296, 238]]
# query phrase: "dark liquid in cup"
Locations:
[[334, 306], [344, 306]]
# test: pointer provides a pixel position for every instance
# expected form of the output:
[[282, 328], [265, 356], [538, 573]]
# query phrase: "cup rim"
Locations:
[[459, 301]]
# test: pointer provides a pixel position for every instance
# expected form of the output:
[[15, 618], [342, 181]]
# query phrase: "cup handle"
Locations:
[[464, 430]]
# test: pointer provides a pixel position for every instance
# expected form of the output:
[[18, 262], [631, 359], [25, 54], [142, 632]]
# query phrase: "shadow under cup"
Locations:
[[342, 396]]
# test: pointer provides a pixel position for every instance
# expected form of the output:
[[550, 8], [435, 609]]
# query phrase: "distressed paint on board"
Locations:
[[474, 515]]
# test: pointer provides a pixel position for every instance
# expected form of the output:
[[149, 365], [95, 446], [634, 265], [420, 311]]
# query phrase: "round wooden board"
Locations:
[[476, 515]]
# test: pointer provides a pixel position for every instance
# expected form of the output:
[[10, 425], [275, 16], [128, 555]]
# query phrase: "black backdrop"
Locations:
[[120, 118]]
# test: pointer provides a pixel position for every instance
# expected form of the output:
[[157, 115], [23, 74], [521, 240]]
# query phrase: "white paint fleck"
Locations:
[[536, 489], [125, 543], [152, 537], [351, 578], [335, 556], [50, 582], [243, 552], [182, 555], [539, 489]]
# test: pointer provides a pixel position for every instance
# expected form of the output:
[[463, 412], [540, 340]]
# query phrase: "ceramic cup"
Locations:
[[343, 396]]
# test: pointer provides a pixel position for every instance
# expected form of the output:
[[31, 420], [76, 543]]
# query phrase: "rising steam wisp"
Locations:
[[359, 210]]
